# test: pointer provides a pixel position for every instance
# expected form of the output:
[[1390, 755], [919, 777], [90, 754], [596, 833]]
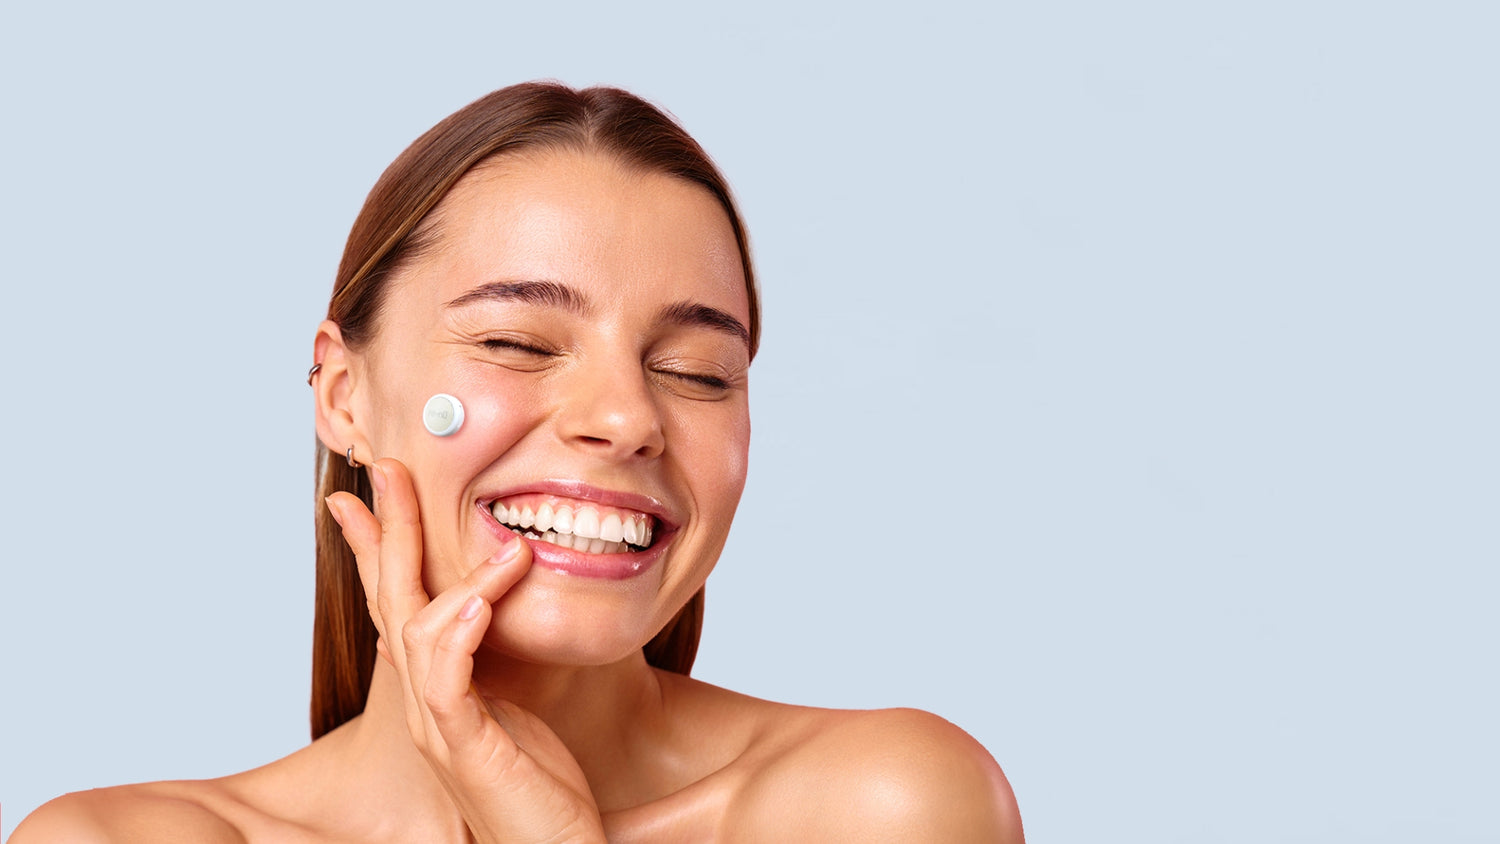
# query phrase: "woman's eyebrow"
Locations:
[[693, 313], [532, 292], [557, 295]]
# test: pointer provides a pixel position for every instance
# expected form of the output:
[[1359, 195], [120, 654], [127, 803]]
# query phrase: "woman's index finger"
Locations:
[[399, 573]]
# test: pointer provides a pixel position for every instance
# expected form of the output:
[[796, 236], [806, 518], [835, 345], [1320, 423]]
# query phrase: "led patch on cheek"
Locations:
[[443, 415]]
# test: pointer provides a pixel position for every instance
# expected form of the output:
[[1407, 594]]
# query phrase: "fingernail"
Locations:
[[334, 510], [377, 477], [507, 553], [471, 608]]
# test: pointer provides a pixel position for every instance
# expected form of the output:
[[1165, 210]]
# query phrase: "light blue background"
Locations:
[[1127, 397]]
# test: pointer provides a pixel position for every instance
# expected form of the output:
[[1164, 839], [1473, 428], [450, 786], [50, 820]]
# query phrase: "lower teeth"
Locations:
[[577, 543]]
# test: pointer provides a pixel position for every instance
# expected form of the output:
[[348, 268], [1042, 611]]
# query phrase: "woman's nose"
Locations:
[[612, 412]]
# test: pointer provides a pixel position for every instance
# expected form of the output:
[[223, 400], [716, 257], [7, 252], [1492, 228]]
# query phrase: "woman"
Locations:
[[531, 399]]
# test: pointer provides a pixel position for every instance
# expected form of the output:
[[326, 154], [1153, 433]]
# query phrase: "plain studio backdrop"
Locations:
[[1127, 394]]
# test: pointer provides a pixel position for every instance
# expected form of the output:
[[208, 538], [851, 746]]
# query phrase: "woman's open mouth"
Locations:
[[586, 527]]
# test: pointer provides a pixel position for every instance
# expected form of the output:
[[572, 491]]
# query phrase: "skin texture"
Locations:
[[511, 702]]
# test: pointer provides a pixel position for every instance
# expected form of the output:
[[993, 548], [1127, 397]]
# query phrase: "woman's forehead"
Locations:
[[586, 220]]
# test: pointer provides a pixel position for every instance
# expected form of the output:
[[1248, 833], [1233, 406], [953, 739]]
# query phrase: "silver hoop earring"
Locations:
[[349, 456], [312, 372]]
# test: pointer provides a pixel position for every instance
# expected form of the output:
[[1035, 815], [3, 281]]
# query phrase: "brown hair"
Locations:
[[386, 234]]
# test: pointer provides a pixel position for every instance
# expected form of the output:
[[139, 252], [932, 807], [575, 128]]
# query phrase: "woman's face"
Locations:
[[591, 320]]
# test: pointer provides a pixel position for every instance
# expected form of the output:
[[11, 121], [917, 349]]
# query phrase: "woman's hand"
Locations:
[[508, 773]]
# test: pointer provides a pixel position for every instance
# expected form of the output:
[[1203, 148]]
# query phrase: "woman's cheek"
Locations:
[[495, 418], [451, 466], [734, 454]]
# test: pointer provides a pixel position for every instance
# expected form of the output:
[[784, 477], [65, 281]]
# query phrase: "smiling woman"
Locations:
[[508, 606]]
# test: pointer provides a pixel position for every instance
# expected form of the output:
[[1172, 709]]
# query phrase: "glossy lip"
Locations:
[[573, 562]]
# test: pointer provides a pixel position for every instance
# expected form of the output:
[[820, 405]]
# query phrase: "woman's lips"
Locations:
[[581, 530]]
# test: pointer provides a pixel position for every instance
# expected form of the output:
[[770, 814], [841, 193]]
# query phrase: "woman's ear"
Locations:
[[335, 386]]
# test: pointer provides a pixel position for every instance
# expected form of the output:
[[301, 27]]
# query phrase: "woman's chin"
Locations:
[[578, 632]]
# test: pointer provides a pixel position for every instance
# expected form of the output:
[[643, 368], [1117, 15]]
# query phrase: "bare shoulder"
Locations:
[[884, 775], [158, 812]]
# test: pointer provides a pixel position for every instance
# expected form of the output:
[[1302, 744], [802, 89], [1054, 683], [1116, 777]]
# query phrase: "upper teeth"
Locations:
[[581, 521]]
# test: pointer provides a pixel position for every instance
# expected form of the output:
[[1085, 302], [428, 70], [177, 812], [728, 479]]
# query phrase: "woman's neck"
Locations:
[[612, 718], [585, 706]]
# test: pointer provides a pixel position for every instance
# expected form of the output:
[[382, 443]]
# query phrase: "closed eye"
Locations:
[[713, 381], [695, 380], [505, 343]]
